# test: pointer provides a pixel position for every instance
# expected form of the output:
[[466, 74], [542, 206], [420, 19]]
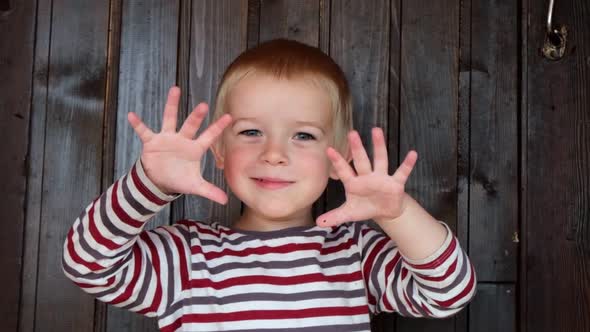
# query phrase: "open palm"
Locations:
[[172, 160], [371, 193]]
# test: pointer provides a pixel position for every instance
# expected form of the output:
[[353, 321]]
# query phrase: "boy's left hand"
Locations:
[[371, 193]]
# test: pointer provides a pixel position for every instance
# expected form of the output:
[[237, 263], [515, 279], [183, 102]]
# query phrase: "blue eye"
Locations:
[[304, 136], [250, 132]]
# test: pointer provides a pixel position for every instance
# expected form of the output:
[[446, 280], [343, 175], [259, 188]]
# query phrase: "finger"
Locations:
[[143, 132], [380, 162], [359, 154], [212, 192], [171, 110], [209, 136], [333, 217], [403, 172], [193, 122], [342, 168]]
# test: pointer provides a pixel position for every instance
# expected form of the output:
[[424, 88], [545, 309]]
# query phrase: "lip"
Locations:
[[271, 183]]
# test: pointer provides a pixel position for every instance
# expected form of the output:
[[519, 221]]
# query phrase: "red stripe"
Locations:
[[426, 309], [156, 264], [449, 271], [96, 234], [212, 232], [342, 246], [143, 189], [265, 250], [182, 258], [266, 314], [468, 288], [409, 303], [92, 266], [119, 212], [388, 270], [368, 265], [287, 248], [86, 285], [271, 280], [136, 269], [440, 259]]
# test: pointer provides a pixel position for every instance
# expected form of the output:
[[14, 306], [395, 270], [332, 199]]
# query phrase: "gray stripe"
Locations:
[[97, 275], [344, 261], [295, 232], [142, 210], [170, 265], [107, 222], [458, 280], [402, 310], [377, 269], [369, 243], [331, 328], [250, 297], [410, 292], [141, 297], [116, 287], [82, 240]]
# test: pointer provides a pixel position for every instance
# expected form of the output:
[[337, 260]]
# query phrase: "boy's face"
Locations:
[[274, 152]]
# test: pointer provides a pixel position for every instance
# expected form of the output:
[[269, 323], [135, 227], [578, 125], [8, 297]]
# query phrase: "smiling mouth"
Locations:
[[272, 183]]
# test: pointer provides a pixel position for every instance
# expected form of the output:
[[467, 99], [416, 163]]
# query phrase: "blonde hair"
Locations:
[[289, 59]]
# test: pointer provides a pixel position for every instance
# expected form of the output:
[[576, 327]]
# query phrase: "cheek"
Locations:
[[236, 160], [314, 161]]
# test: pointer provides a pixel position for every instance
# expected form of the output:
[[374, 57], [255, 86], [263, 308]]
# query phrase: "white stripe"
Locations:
[[271, 323]]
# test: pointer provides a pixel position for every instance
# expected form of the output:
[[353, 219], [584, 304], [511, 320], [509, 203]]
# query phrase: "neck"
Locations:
[[252, 221]]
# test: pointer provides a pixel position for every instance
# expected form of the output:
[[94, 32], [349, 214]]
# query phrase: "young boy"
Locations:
[[282, 128]]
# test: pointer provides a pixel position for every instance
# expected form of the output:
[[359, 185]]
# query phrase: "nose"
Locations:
[[275, 154]]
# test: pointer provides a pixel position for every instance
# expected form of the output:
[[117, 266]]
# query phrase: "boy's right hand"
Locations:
[[172, 160]]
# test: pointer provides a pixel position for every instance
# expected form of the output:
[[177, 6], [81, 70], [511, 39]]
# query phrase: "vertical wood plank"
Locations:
[[110, 126], [72, 154], [219, 33], [557, 277], [493, 309], [493, 186], [463, 139], [147, 69], [298, 20], [387, 321], [360, 44], [26, 319], [253, 23], [428, 116], [17, 20]]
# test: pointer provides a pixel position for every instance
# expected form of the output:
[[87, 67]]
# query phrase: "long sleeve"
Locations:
[[435, 287], [108, 255]]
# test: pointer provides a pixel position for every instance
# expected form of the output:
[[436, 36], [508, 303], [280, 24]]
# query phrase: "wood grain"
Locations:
[[16, 66], [556, 282], [72, 153]]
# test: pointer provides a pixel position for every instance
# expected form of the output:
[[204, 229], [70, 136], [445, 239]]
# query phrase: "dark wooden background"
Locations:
[[503, 135]]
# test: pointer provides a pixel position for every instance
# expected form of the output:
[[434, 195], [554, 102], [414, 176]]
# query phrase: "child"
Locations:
[[281, 128]]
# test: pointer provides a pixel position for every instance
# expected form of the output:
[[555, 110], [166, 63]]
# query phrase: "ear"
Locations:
[[347, 156], [219, 154]]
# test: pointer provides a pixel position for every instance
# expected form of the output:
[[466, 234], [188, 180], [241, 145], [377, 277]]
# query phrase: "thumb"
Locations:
[[333, 217], [212, 192]]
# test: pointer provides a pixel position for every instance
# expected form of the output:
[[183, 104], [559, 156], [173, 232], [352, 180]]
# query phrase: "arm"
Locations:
[[436, 286], [417, 268], [108, 255]]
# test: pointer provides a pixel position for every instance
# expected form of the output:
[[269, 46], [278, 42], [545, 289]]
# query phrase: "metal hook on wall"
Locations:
[[555, 37]]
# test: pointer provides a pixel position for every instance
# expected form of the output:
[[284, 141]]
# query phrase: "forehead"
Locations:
[[262, 96]]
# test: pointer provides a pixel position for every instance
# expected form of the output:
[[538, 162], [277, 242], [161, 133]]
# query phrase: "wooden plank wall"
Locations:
[[501, 134], [556, 112]]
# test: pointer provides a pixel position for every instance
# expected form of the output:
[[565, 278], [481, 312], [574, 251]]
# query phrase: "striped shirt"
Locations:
[[208, 277]]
